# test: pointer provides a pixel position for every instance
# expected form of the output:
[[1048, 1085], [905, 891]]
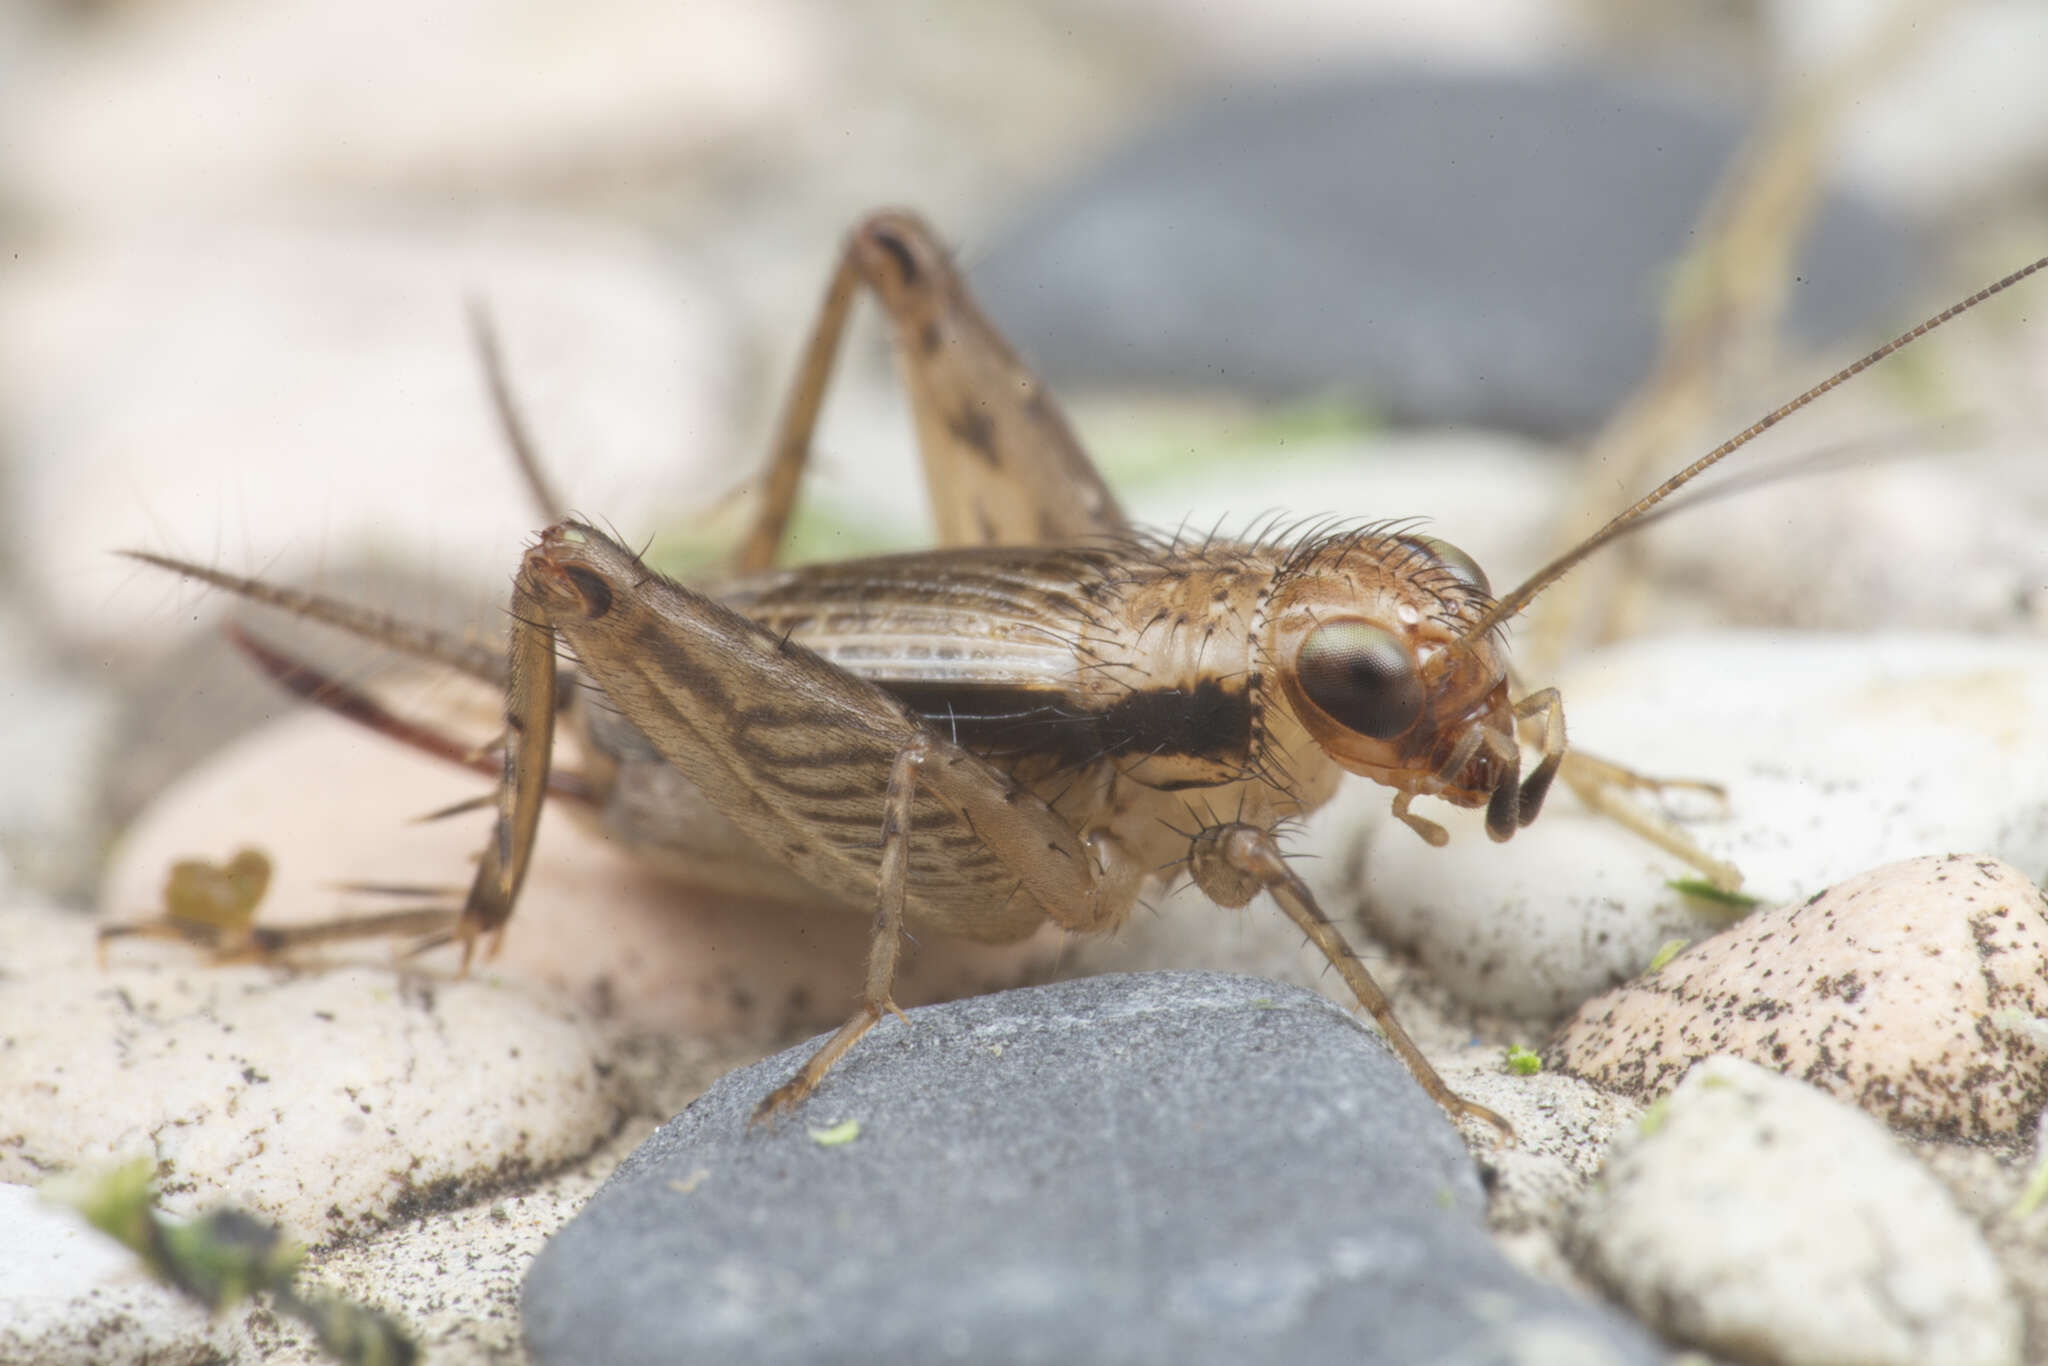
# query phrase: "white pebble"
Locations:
[[330, 1102], [1757, 1218], [1898, 991]]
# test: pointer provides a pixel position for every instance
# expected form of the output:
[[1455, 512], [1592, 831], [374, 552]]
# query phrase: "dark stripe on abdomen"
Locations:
[[1009, 723]]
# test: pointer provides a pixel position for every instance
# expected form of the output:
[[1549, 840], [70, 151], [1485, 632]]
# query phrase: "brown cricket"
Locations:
[[1039, 719]]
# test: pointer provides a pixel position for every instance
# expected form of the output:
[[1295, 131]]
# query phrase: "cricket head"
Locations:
[[1379, 663]]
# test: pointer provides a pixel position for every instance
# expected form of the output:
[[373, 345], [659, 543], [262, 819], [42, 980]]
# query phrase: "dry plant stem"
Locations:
[[1728, 294], [1638, 513]]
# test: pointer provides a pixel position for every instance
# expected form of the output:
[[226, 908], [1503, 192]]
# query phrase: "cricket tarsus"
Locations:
[[213, 907], [1599, 785], [428, 927]]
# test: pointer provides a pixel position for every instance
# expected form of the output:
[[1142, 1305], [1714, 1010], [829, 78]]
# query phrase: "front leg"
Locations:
[[1602, 785], [529, 752], [1234, 862]]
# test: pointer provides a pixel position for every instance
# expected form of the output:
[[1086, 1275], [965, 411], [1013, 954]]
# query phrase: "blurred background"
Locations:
[[1404, 258]]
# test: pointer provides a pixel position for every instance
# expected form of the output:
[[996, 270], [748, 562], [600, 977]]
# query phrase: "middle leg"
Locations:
[[1234, 862], [877, 994]]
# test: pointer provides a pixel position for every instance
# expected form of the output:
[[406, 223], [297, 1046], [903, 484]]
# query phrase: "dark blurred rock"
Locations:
[[1482, 248]]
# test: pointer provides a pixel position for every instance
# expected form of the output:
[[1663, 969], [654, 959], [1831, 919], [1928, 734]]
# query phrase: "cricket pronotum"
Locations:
[[1037, 720]]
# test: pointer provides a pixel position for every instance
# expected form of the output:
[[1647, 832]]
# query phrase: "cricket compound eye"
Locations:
[[1362, 677], [1463, 567]]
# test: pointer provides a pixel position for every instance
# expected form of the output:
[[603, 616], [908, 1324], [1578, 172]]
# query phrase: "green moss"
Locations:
[[836, 1135], [1655, 1118], [223, 1257], [1703, 890], [1667, 951], [2036, 1190]]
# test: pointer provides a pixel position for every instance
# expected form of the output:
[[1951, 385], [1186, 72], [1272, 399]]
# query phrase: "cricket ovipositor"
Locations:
[[1035, 721]]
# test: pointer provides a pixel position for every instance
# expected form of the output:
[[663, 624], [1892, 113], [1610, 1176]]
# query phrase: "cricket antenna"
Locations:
[[1512, 603]]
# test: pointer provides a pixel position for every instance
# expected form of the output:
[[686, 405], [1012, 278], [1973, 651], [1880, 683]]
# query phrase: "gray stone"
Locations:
[[1487, 249], [1147, 1168]]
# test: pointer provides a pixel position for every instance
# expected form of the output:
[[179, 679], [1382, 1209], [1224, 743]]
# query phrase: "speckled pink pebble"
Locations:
[[1917, 991]]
